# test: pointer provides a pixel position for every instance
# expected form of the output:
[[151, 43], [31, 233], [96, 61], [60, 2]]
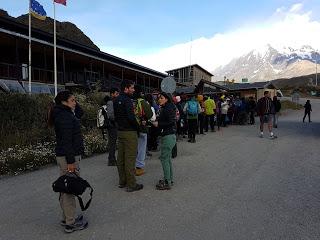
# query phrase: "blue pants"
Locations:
[[142, 150]]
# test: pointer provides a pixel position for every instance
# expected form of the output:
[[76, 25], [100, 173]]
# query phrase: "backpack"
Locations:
[[71, 183], [192, 108], [139, 111], [102, 118]]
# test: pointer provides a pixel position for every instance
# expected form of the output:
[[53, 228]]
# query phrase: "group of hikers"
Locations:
[[136, 124]]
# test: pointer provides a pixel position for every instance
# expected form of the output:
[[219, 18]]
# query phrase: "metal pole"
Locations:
[[316, 68], [55, 51], [29, 47]]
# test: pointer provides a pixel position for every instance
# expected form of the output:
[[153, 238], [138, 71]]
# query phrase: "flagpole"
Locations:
[[29, 46], [55, 50]]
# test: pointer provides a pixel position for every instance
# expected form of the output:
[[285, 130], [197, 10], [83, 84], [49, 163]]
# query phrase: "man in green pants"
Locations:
[[127, 137]]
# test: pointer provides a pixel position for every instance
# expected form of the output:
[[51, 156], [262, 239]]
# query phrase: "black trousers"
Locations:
[[309, 116], [209, 119], [192, 128], [201, 122], [112, 144], [252, 117]]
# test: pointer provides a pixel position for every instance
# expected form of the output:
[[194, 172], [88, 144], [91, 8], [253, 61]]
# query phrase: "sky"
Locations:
[[167, 34]]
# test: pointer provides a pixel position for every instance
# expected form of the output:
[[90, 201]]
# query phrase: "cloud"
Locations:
[[296, 7], [286, 27]]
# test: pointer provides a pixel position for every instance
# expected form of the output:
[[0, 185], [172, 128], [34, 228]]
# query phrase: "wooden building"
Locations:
[[190, 75], [255, 90], [78, 65]]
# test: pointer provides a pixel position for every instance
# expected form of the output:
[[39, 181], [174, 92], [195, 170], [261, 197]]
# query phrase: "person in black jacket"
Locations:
[[277, 108], [167, 124], [307, 110], [69, 147], [252, 108], [127, 137]]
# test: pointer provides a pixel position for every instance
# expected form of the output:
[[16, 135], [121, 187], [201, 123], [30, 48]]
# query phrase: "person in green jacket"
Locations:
[[143, 114], [210, 108]]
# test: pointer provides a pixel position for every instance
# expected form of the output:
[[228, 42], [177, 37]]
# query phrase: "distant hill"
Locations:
[[66, 30]]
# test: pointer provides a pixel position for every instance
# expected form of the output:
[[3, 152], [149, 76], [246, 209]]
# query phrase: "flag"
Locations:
[[63, 2], [37, 10]]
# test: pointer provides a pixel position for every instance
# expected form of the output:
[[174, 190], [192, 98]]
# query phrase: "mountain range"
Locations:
[[269, 63]]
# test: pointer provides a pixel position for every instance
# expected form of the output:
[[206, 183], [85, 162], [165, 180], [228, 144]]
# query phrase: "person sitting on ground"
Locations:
[[265, 112], [167, 124]]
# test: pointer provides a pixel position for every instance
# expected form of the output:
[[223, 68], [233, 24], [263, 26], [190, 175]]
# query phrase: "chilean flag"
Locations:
[[63, 2]]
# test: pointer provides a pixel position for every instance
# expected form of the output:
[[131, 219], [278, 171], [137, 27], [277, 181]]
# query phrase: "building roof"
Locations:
[[206, 86], [17, 29], [248, 86], [194, 65]]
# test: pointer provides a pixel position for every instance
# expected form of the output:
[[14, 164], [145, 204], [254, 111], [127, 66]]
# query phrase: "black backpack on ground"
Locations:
[[71, 183]]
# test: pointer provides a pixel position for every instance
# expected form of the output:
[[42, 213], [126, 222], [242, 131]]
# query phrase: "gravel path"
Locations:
[[229, 185]]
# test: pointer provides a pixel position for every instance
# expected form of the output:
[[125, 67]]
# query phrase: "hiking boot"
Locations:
[[135, 188], [76, 226], [78, 219], [139, 171], [163, 185]]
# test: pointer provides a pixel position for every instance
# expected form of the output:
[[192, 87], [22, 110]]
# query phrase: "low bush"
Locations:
[[26, 142]]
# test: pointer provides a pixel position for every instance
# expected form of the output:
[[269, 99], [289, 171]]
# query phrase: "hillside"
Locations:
[[66, 30]]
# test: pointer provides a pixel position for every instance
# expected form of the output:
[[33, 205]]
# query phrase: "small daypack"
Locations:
[[71, 183], [139, 111], [102, 118], [192, 108]]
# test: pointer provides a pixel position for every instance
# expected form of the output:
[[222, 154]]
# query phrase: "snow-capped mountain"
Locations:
[[268, 63]]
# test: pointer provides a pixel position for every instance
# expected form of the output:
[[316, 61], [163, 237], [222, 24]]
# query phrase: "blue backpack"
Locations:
[[192, 108]]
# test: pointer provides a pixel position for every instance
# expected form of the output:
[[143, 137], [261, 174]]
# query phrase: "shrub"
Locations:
[[27, 143]]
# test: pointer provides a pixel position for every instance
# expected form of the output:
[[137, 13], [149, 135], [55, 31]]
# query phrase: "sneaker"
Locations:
[[122, 185], [139, 171], [78, 218], [163, 185], [135, 188], [76, 226], [261, 136], [273, 137]]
